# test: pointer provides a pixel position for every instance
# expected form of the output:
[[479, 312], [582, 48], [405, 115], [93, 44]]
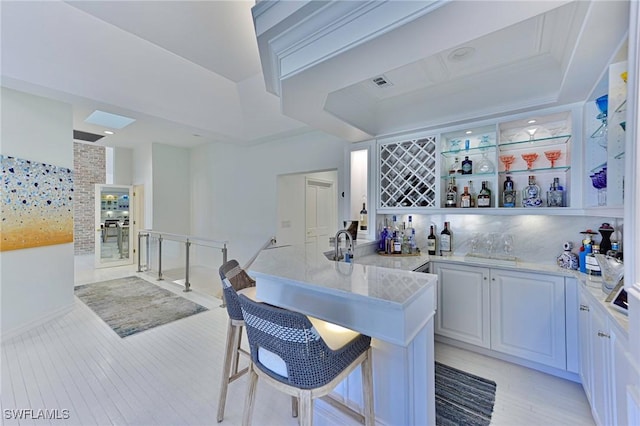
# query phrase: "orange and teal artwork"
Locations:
[[37, 204]]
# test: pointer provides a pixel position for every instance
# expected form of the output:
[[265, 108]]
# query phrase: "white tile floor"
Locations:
[[169, 375]]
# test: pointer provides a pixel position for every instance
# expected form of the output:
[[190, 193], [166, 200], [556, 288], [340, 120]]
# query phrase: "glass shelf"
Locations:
[[622, 107], [470, 151], [470, 176], [600, 131], [553, 140], [537, 169]]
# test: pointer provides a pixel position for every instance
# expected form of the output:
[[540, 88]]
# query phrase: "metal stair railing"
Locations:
[[187, 240]]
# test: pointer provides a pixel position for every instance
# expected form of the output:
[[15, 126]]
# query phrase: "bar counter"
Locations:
[[395, 307]]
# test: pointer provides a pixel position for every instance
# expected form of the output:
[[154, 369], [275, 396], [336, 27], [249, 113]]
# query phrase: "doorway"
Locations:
[[307, 208], [114, 241]]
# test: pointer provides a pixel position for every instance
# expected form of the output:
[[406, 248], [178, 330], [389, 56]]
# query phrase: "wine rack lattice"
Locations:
[[408, 173]]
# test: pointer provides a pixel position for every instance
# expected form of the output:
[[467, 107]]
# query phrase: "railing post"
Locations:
[[160, 257], [139, 252], [148, 253], [224, 254], [187, 284]]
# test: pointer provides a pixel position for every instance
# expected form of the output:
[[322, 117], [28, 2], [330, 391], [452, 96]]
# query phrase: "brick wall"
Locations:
[[89, 164]]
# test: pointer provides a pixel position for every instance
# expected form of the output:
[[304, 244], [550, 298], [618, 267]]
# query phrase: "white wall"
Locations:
[[37, 283], [234, 188], [143, 175], [171, 194], [122, 166]]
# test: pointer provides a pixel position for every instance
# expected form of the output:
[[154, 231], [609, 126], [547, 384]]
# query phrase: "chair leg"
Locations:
[[294, 406], [237, 340], [250, 397], [367, 389], [306, 408], [226, 370]]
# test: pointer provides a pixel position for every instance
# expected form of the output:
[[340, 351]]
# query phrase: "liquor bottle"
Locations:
[[472, 192], [452, 194], [484, 196], [509, 193], [531, 194], [455, 168], [465, 198], [555, 195], [413, 248], [363, 218], [446, 241], [467, 166], [431, 243], [383, 238]]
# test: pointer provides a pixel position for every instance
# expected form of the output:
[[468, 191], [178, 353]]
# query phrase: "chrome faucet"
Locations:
[[336, 254]]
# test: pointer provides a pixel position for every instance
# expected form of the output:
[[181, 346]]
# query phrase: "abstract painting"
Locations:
[[37, 204]]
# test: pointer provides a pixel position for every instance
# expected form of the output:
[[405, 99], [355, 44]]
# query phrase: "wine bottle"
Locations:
[[446, 241], [484, 197], [465, 198], [467, 166], [431, 243], [363, 218]]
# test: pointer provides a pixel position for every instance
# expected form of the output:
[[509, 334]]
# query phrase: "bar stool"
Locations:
[[289, 353], [234, 279]]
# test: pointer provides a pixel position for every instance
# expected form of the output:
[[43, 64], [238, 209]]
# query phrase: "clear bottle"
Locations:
[[455, 168], [446, 241], [472, 192], [531, 194], [465, 198], [363, 217], [452, 194], [509, 193], [431, 243], [467, 166], [555, 195], [484, 196]]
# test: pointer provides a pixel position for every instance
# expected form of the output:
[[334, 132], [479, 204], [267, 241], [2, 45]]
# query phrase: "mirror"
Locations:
[[113, 213]]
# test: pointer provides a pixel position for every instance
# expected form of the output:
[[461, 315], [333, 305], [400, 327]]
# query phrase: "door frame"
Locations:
[[98, 261]]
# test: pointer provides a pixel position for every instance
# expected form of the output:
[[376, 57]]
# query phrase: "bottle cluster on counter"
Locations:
[[585, 260], [399, 239]]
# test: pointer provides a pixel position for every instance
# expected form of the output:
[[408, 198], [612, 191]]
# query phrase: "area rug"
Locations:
[[131, 305], [462, 398]]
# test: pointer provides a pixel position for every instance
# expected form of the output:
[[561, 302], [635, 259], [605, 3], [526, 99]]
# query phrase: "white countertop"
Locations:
[[384, 279], [392, 305]]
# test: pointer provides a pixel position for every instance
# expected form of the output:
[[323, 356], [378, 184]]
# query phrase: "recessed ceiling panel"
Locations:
[[106, 119]]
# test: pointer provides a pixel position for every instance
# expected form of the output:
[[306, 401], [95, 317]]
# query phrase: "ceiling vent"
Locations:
[[79, 135], [381, 81]]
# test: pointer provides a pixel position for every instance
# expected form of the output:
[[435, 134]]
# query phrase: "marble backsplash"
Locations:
[[536, 238]]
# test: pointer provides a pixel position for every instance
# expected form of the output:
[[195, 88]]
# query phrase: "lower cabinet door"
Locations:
[[528, 316], [463, 303], [601, 402], [586, 346]]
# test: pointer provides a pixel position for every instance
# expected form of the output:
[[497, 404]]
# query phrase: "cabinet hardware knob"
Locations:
[[493, 279], [601, 334], [485, 278], [584, 308]]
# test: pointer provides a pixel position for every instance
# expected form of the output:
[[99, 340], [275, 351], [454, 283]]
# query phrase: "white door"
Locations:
[[114, 241], [528, 316], [463, 303], [319, 211]]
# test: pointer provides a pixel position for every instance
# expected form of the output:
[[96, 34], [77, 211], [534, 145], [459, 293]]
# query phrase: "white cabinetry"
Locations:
[[528, 316], [521, 314], [463, 303], [604, 362]]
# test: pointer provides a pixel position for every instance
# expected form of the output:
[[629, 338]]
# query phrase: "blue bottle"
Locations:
[[583, 258]]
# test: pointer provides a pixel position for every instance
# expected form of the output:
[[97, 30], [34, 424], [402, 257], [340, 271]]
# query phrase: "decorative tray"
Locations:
[[381, 253]]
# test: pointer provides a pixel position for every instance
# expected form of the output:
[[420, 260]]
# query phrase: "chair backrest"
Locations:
[[310, 363], [234, 279]]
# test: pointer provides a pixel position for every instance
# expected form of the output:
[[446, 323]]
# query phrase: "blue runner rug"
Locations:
[[463, 398], [131, 305]]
